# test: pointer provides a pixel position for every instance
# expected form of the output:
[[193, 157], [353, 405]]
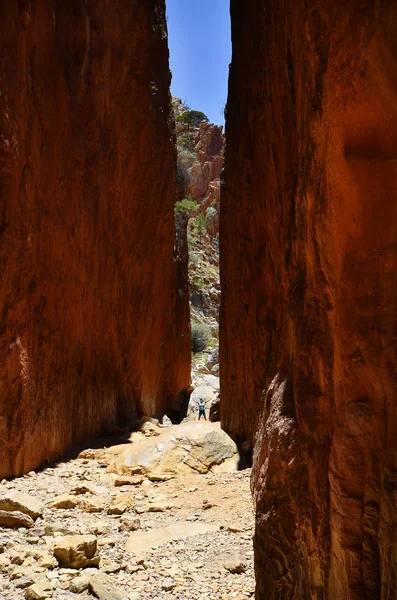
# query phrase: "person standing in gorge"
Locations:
[[201, 405]]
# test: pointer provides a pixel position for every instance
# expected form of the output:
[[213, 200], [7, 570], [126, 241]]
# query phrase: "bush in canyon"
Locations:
[[211, 217], [182, 178], [200, 336], [201, 225], [185, 206], [185, 156], [185, 142]]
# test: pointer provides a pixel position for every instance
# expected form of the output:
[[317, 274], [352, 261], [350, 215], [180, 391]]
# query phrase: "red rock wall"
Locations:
[[308, 274], [88, 287], [210, 144]]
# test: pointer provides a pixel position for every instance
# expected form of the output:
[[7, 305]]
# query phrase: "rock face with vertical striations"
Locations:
[[206, 169], [89, 332], [308, 268]]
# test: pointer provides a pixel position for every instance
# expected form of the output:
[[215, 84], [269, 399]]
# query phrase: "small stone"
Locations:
[[5, 564], [17, 557], [104, 588], [64, 501], [37, 531], [168, 585], [140, 508], [53, 575], [111, 568], [23, 582], [65, 571], [129, 524], [92, 505], [109, 541], [120, 480], [15, 519], [118, 507], [99, 527], [79, 584], [160, 477], [159, 507], [33, 540], [48, 562], [234, 563], [147, 483], [19, 572], [57, 529], [235, 529], [78, 551], [92, 453], [39, 591], [81, 490]]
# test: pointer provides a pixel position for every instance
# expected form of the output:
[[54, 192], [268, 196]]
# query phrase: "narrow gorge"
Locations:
[[95, 331]]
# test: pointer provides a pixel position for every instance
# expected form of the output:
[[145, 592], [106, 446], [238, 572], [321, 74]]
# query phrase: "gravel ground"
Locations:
[[217, 564]]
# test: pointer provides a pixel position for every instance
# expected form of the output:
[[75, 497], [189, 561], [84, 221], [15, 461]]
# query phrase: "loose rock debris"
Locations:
[[76, 530]]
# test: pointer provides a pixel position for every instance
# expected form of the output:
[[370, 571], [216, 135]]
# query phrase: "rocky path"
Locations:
[[188, 537]]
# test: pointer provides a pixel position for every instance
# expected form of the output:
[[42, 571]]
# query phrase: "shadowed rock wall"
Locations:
[[308, 273], [88, 286]]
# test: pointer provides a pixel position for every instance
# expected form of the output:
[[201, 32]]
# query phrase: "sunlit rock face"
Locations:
[[89, 333], [308, 271], [206, 170]]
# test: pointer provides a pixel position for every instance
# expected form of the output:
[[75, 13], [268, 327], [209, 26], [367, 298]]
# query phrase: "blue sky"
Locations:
[[200, 53]]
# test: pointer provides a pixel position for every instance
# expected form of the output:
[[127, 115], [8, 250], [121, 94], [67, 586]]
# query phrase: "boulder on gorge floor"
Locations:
[[14, 519], [77, 551], [186, 448], [141, 542], [308, 325], [23, 503], [104, 588], [64, 501], [39, 591]]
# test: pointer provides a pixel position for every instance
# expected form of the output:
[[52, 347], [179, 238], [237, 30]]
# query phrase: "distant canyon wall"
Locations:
[[93, 329], [308, 332]]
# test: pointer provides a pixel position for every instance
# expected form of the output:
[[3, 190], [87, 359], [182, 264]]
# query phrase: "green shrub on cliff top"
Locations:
[[192, 117]]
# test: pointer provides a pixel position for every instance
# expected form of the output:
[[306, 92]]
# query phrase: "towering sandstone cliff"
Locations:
[[89, 297], [308, 273]]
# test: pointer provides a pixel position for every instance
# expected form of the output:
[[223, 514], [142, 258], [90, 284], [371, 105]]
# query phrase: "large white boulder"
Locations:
[[190, 447]]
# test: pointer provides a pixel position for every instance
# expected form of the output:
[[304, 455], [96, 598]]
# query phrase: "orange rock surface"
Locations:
[[206, 170], [308, 272], [89, 329]]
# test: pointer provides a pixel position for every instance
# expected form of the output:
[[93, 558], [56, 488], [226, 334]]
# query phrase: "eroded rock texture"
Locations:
[[88, 294], [308, 272], [206, 170]]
